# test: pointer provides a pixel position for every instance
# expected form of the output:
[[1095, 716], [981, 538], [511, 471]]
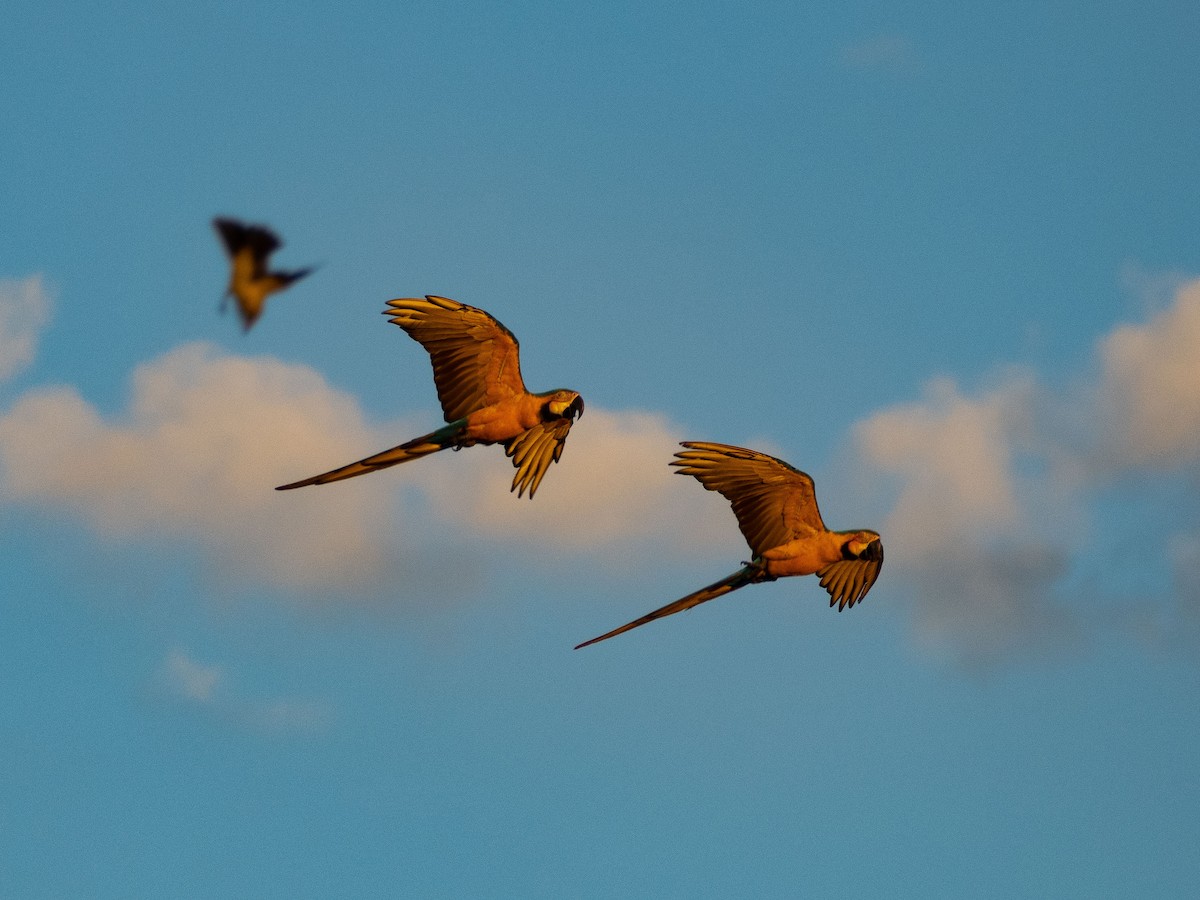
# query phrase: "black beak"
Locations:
[[873, 551]]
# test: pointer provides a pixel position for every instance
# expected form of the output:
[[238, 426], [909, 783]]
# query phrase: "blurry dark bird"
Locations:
[[776, 509], [478, 377], [250, 283]]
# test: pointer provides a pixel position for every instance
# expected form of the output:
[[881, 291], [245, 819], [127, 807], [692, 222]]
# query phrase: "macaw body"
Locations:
[[249, 247], [776, 509], [476, 368]]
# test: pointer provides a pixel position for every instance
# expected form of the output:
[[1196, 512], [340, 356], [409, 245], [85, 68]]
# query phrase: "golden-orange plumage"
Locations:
[[250, 283], [776, 509], [477, 372]]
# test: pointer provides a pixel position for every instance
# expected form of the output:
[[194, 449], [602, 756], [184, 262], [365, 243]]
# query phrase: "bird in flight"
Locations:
[[250, 283], [776, 509], [484, 400]]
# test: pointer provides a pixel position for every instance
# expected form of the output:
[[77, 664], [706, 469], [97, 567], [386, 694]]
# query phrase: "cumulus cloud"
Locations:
[[611, 495], [954, 457], [967, 529], [24, 311], [207, 435], [210, 688], [205, 438], [994, 494], [1149, 388]]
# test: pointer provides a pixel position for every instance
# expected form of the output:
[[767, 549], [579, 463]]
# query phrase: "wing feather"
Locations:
[[848, 580], [534, 450], [476, 360], [261, 241], [774, 502]]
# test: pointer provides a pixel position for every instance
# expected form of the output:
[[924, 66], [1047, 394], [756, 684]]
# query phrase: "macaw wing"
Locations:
[[261, 242], [476, 360], [848, 580], [774, 502], [532, 452]]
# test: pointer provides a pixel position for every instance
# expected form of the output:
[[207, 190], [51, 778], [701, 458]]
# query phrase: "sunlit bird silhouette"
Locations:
[[776, 509], [477, 371], [249, 247]]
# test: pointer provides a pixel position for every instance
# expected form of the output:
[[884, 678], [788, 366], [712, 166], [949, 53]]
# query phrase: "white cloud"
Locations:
[[967, 530], [24, 310], [207, 435], [994, 492], [196, 456], [210, 688], [953, 456], [1149, 390], [611, 495]]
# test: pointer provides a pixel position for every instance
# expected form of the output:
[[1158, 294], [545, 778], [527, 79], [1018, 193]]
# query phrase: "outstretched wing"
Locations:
[[848, 580], [534, 450], [260, 242], [774, 503], [475, 358]]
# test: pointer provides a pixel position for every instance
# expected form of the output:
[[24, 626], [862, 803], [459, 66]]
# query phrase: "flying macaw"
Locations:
[[776, 509], [478, 376]]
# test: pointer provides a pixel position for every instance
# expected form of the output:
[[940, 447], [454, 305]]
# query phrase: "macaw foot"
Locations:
[[758, 569]]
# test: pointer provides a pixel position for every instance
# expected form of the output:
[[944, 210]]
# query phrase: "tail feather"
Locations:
[[414, 449], [747, 575], [288, 278]]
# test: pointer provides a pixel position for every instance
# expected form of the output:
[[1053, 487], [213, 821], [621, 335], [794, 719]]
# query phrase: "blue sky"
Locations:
[[943, 259]]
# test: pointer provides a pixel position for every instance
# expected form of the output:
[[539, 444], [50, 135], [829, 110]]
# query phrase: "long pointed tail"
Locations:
[[742, 577], [289, 278], [414, 449]]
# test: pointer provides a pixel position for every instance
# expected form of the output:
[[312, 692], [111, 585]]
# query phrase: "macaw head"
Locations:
[[863, 545], [564, 404]]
